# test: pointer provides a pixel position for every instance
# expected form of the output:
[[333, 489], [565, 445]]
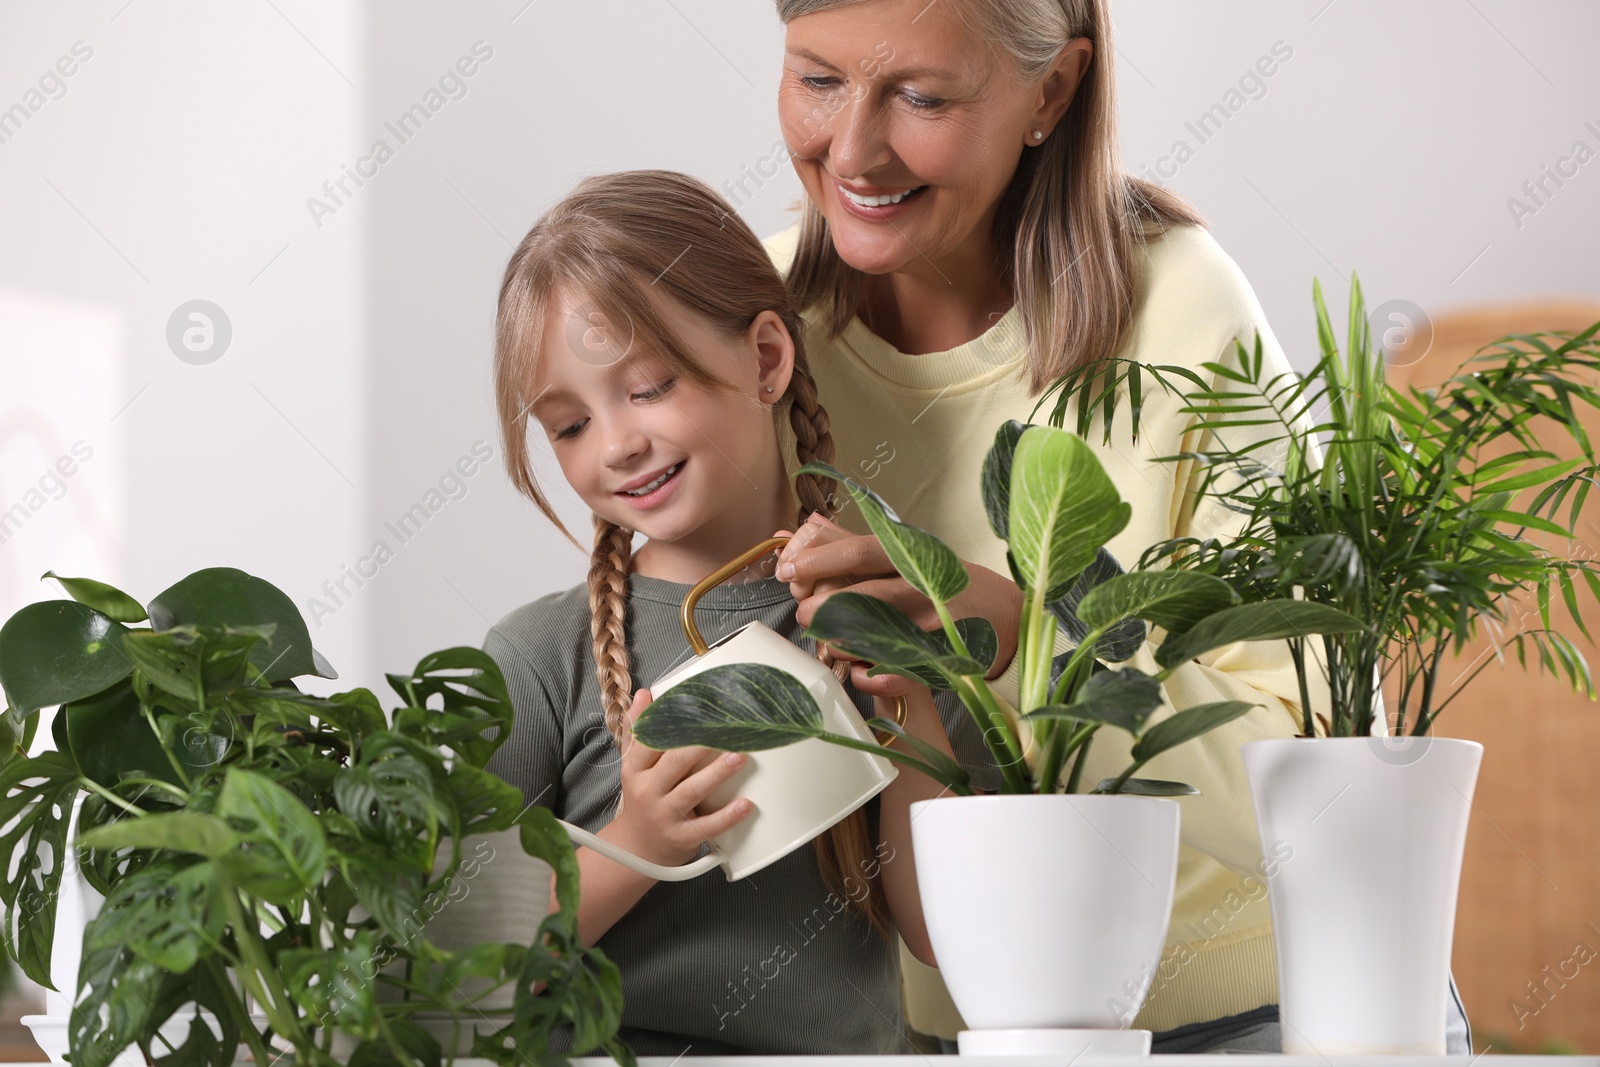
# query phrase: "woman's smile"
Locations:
[[877, 205]]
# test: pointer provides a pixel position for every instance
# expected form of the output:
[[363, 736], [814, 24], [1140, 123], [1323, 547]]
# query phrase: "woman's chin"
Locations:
[[868, 249]]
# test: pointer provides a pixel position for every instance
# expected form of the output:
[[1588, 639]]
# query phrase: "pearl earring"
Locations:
[[1038, 136]]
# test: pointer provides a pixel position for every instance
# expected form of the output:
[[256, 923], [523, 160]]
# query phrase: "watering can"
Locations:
[[800, 790]]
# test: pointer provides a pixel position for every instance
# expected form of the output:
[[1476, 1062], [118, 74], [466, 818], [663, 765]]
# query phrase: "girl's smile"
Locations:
[[652, 491]]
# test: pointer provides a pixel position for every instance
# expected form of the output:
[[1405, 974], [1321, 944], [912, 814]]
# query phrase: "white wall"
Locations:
[[173, 165], [1389, 143]]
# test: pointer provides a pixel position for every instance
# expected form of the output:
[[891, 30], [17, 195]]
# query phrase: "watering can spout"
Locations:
[[638, 864]]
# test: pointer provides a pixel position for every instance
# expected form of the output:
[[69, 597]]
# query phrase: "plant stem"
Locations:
[[177, 767], [1000, 735], [257, 969], [102, 791], [247, 1026], [899, 757], [1077, 764]]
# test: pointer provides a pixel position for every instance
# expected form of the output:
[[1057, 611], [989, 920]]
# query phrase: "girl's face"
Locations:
[[892, 97], [651, 450]]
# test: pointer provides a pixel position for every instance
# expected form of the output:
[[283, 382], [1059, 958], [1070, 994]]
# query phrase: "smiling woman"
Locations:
[[969, 235]]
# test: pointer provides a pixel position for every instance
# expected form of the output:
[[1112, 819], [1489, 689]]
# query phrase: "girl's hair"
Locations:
[[1071, 221], [610, 239]]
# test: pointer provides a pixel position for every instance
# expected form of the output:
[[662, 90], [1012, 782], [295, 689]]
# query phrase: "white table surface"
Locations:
[[1195, 1060], [1231, 1059]]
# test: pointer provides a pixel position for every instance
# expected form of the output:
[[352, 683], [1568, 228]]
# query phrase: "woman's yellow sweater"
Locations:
[[916, 429]]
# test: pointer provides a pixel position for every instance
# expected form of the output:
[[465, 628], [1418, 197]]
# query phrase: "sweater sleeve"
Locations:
[[531, 758]]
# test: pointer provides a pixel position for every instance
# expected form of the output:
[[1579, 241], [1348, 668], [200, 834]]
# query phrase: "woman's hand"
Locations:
[[660, 791], [823, 557]]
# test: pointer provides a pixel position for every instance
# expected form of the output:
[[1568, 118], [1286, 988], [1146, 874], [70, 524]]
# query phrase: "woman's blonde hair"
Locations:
[[1071, 221], [611, 238]]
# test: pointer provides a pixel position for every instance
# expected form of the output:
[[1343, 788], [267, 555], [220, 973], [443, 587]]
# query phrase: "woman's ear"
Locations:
[[1061, 84], [774, 356]]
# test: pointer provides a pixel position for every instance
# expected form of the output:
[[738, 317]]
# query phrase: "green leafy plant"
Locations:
[[1049, 498], [1397, 505], [261, 847]]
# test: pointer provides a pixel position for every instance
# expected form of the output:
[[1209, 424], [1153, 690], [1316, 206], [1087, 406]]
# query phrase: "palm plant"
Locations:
[[1047, 495], [1398, 505]]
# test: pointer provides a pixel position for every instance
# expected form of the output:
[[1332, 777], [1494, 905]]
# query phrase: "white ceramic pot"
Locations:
[[1046, 912], [1369, 834]]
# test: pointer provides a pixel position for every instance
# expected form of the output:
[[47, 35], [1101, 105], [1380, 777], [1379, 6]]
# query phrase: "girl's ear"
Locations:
[[774, 356]]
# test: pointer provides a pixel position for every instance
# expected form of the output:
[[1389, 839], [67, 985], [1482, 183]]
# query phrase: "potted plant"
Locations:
[[1399, 507], [1048, 497], [253, 848]]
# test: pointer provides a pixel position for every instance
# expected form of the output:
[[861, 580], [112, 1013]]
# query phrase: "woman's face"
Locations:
[[888, 96]]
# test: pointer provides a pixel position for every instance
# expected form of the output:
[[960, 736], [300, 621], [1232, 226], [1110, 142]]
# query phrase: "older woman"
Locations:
[[968, 236]]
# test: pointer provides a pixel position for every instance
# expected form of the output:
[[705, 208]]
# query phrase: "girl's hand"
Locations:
[[822, 558], [660, 792]]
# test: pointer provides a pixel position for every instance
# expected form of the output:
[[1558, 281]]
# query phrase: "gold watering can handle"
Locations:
[[698, 642]]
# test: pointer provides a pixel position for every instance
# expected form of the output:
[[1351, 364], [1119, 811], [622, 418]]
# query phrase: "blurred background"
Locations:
[[251, 252]]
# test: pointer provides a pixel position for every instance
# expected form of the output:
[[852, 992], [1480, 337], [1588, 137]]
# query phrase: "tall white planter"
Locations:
[[1364, 907], [1046, 912]]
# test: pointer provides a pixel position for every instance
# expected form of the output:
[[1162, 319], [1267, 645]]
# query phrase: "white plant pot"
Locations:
[[1046, 912], [1370, 833]]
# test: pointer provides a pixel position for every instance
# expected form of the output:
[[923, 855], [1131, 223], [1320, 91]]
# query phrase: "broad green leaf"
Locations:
[[108, 737], [283, 853], [1120, 642], [190, 661], [421, 1047], [878, 632], [1063, 508], [483, 801], [1148, 787], [543, 838], [1173, 600], [107, 600], [1124, 699], [393, 897], [997, 477], [36, 798], [929, 565], [1187, 725], [1266, 620], [165, 914], [181, 831], [331, 986], [226, 596], [59, 650], [388, 796], [116, 1001], [473, 698], [737, 707]]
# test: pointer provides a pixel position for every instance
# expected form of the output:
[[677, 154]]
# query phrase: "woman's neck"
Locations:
[[936, 307]]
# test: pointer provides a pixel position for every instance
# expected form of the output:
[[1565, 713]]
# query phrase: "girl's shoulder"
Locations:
[[547, 630]]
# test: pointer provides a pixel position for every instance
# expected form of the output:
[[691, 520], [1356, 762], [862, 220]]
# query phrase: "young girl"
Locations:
[[644, 332]]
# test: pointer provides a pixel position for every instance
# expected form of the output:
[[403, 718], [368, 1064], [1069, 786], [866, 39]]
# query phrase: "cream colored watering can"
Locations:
[[800, 790]]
